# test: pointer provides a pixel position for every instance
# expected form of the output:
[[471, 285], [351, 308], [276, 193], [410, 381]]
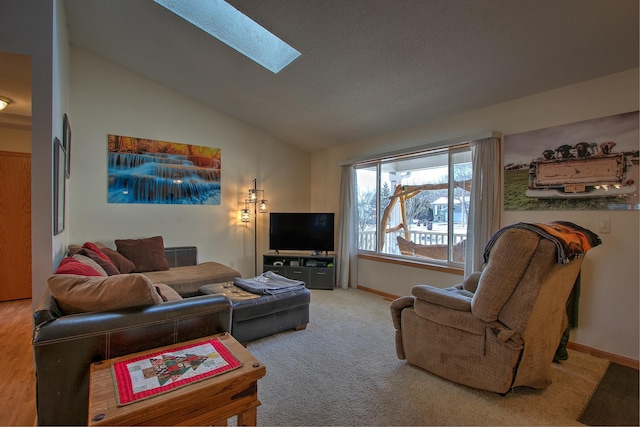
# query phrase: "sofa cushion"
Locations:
[[93, 247], [122, 263], [71, 265], [91, 263], [167, 293], [146, 254], [78, 294], [187, 279], [107, 266]]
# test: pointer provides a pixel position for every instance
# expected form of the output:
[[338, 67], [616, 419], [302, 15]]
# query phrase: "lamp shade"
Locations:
[[245, 215]]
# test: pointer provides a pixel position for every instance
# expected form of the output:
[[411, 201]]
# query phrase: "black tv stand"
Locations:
[[316, 271]]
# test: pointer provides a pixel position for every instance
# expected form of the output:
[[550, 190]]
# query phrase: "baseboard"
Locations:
[[620, 360], [385, 295]]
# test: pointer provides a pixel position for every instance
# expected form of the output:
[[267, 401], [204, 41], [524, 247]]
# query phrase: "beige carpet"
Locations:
[[342, 370]]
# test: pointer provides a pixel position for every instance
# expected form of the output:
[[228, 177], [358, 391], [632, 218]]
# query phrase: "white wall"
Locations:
[[610, 297], [27, 27], [60, 106], [108, 99]]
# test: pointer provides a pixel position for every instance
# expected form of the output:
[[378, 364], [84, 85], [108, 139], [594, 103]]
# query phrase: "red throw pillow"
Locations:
[[93, 247], [73, 266]]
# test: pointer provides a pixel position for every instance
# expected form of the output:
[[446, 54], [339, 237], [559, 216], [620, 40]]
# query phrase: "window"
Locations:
[[416, 205], [226, 23]]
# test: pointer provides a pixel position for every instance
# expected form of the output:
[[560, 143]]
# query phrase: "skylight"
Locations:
[[224, 22]]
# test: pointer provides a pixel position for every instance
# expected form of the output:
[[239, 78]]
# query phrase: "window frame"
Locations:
[[378, 163]]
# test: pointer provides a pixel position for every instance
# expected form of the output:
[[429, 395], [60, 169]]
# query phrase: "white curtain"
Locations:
[[485, 201], [347, 268]]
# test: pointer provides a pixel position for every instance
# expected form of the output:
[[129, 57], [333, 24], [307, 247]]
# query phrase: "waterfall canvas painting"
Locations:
[[160, 172]]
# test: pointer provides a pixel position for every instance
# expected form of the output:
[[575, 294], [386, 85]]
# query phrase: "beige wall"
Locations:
[[610, 296], [108, 99], [17, 140]]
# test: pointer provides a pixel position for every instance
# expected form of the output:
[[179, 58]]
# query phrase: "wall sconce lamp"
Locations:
[[256, 198], [4, 102]]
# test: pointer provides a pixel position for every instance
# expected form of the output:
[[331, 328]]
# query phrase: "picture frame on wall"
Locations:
[[66, 144], [587, 165], [175, 173], [59, 186]]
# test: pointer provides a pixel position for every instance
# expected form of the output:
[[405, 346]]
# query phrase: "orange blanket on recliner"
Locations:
[[572, 240]]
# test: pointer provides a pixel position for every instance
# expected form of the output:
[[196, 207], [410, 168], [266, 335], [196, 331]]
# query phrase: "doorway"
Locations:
[[15, 177]]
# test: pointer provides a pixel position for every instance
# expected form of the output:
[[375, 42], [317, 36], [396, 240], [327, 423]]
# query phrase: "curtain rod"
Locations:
[[433, 145]]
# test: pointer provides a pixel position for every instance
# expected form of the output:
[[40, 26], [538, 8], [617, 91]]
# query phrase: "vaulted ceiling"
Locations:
[[368, 67]]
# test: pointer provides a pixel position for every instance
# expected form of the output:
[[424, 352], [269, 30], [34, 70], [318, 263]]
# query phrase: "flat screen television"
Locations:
[[301, 231]]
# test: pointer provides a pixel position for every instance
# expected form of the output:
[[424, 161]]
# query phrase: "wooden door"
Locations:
[[15, 225]]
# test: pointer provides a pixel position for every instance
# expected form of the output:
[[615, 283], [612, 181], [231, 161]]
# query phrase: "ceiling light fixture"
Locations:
[[226, 23], [4, 102]]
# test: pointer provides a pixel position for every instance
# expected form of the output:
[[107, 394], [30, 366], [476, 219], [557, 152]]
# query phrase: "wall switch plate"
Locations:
[[604, 226]]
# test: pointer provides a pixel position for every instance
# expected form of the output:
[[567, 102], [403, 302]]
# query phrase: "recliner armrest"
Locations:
[[471, 281], [456, 299], [397, 306]]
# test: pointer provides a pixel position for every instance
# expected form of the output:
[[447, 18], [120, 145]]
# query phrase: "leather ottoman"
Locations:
[[255, 316]]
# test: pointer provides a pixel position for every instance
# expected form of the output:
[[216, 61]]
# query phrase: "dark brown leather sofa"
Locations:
[[66, 345]]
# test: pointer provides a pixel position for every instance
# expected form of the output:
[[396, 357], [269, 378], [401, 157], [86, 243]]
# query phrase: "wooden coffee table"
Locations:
[[208, 402]]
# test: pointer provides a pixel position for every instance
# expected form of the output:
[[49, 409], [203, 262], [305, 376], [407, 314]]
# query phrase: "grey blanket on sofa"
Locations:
[[268, 283]]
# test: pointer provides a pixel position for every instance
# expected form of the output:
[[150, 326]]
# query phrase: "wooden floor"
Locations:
[[18, 395]]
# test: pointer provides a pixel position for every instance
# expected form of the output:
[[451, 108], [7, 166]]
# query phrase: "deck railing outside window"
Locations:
[[367, 239]]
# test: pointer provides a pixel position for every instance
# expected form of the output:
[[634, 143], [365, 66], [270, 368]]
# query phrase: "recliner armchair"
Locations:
[[499, 329]]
